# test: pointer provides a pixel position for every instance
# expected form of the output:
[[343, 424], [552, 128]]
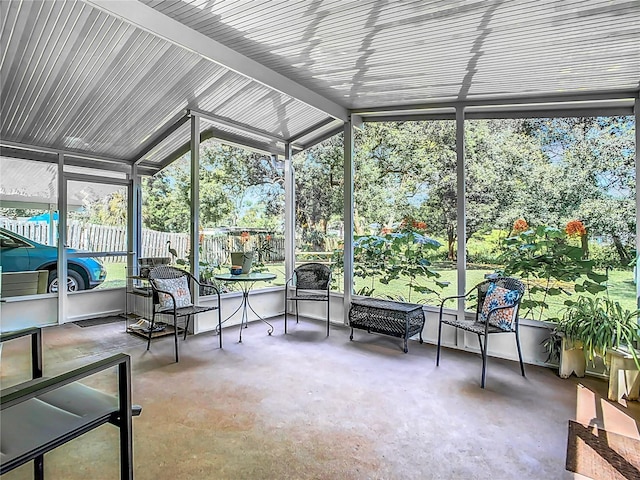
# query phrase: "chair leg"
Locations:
[[327, 317], [220, 324], [153, 322], [484, 358], [286, 301], [38, 467], [296, 311], [439, 338], [186, 327], [175, 336], [519, 352]]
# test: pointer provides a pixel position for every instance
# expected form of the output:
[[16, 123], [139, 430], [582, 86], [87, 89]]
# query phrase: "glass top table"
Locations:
[[246, 281]]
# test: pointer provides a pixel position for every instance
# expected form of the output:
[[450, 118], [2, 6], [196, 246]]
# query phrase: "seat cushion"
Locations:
[[179, 287], [499, 297]]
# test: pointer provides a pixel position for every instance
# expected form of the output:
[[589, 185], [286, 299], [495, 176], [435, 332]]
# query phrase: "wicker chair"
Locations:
[[172, 296], [496, 312], [312, 282]]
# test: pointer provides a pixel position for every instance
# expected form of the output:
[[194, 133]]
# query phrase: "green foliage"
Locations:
[[319, 186], [237, 187], [599, 324], [548, 263], [392, 256]]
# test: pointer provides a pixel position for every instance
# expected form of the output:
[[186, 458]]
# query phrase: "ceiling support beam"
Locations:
[[237, 125], [511, 100], [310, 130], [158, 24], [323, 137], [159, 138], [73, 153], [510, 112], [223, 137], [50, 157]]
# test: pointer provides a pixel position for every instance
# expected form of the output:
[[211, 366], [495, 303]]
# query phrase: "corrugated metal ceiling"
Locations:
[[77, 78], [368, 53]]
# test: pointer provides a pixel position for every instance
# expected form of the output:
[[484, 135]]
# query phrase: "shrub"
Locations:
[[548, 263]]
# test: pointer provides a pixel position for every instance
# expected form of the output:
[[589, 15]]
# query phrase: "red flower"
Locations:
[[268, 238], [520, 225], [386, 231], [575, 228], [244, 237]]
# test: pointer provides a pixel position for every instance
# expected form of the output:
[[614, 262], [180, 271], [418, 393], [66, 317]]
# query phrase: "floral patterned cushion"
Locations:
[[499, 297], [178, 287]]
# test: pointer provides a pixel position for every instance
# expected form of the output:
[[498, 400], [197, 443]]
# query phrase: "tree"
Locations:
[[592, 159], [231, 179], [319, 187]]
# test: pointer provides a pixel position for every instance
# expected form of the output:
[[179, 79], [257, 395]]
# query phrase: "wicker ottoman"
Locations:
[[396, 319]]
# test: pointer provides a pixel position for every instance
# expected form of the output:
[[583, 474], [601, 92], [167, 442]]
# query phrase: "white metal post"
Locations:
[[62, 240], [134, 221], [289, 213], [636, 112], [461, 254], [348, 217], [194, 259]]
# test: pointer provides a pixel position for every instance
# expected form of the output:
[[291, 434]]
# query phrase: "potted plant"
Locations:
[[243, 258], [593, 326]]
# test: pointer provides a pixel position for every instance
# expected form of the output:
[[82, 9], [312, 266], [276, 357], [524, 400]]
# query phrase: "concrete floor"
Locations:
[[303, 406]]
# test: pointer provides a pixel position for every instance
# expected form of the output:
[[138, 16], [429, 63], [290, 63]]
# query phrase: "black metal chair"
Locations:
[[42, 414], [312, 282], [496, 312], [172, 296]]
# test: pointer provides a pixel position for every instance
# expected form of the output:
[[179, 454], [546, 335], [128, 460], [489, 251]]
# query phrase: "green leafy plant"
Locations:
[[550, 265], [599, 324], [394, 255]]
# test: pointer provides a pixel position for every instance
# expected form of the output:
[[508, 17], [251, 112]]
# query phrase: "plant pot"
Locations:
[[572, 359], [242, 258]]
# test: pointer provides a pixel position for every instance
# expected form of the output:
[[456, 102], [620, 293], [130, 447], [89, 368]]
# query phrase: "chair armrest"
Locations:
[[5, 337], [451, 298], [208, 285], [36, 346], [49, 384]]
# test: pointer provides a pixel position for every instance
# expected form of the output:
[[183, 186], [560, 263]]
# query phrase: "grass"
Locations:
[[621, 289], [117, 275], [621, 286]]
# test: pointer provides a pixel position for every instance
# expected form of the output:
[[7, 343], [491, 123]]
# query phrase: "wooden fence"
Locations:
[[103, 238]]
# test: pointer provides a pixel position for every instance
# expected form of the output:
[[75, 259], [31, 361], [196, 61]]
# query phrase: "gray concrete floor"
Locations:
[[304, 406]]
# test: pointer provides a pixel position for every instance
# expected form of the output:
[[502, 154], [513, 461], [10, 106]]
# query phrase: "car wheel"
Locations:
[[75, 282]]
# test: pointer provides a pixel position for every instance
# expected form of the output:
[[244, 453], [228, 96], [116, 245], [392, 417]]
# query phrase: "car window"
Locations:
[[7, 241]]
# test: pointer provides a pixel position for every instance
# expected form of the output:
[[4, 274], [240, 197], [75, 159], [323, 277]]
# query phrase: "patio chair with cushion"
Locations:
[[312, 282], [172, 296], [496, 312]]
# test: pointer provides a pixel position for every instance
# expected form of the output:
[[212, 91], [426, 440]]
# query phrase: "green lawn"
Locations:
[[621, 286], [621, 289], [116, 275]]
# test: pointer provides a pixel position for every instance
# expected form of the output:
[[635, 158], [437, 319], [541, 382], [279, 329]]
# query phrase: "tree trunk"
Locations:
[[625, 258], [451, 240]]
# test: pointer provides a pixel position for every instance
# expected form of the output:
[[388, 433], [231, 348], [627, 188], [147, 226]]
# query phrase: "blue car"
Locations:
[[19, 254]]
